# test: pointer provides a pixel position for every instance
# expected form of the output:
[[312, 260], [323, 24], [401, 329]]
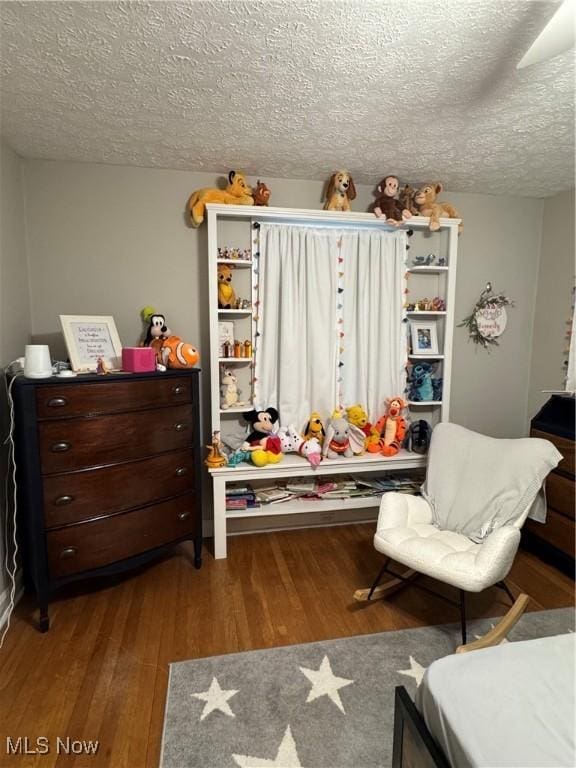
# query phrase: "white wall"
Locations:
[[110, 239], [14, 306], [553, 300]]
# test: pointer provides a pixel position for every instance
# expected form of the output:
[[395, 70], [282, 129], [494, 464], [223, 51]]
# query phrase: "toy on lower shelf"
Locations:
[[215, 458]]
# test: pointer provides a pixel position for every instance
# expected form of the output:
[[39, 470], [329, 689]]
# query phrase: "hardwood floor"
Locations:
[[101, 671]]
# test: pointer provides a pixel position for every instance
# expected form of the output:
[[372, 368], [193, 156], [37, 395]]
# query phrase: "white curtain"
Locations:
[[329, 320], [571, 374], [374, 342]]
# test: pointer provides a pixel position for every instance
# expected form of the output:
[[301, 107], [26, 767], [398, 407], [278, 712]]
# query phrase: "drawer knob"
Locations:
[[68, 552], [61, 501], [61, 447], [181, 471], [57, 402], [180, 426], [178, 390], [183, 515]]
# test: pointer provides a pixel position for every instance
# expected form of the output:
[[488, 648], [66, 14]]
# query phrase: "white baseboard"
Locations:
[[5, 598]]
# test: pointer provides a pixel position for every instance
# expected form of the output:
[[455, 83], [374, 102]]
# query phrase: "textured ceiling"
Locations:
[[293, 89]]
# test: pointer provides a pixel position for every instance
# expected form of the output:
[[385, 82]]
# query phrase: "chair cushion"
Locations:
[[476, 484], [406, 533]]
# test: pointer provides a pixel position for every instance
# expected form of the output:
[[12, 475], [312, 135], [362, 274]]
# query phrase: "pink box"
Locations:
[[138, 359]]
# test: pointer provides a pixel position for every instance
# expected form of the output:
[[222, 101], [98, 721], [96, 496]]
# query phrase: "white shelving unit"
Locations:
[[218, 216]]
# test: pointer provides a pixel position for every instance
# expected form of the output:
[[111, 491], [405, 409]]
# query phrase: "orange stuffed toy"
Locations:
[[425, 199], [238, 192], [391, 428]]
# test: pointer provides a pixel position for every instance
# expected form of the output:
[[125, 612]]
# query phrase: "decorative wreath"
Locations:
[[489, 303]]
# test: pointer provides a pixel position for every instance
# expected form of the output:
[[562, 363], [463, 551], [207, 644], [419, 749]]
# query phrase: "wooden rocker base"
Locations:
[[361, 595], [499, 632]]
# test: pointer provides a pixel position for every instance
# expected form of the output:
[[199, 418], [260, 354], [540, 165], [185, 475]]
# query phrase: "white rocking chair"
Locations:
[[465, 528]]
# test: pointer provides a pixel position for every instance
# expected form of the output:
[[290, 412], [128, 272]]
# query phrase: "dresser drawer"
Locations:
[[58, 401], [69, 444], [557, 530], [76, 496], [101, 542], [566, 448], [560, 494]]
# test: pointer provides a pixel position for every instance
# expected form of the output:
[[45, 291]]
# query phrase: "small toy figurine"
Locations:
[[101, 367], [261, 193], [425, 261], [229, 392], [215, 456]]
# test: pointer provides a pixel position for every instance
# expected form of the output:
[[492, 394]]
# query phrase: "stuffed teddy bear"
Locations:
[[425, 199], [391, 428], [226, 293], [261, 193], [357, 416], [422, 386], [387, 206], [238, 192], [342, 439], [264, 445], [315, 428]]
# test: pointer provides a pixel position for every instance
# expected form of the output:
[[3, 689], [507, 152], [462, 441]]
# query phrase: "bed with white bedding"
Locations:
[[512, 705]]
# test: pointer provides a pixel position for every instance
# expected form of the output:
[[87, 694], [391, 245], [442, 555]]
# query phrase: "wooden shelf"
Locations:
[[236, 262], [424, 313], [242, 409], [425, 357], [236, 312], [293, 465], [235, 359], [424, 402], [301, 506]]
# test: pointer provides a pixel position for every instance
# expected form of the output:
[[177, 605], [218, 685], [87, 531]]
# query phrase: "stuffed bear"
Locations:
[[226, 293], [264, 445], [357, 416], [425, 199], [387, 206], [238, 192]]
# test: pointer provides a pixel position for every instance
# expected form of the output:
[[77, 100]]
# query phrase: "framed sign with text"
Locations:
[[90, 339]]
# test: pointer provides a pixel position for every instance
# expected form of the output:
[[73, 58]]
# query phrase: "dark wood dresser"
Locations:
[[554, 540], [108, 473]]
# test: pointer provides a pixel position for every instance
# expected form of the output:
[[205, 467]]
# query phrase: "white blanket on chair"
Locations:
[[475, 483]]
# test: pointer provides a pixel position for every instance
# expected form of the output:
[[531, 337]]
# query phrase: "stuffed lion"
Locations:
[[238, 192]]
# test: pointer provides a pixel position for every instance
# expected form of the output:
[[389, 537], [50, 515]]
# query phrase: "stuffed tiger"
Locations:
[[391, 428]]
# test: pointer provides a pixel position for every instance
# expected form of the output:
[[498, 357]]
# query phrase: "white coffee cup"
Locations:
[[37, 362]]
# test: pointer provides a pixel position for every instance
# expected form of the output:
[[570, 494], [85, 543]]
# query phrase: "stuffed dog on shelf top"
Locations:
[[340, 191]]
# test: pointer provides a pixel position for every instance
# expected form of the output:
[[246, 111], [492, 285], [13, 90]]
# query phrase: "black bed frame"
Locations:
[[413, 745]]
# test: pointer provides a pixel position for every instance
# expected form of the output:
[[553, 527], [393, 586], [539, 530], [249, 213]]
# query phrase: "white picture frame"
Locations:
[[89, 338], [424, 337]]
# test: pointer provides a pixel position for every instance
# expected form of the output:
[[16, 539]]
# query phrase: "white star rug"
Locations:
[[320, 705]]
